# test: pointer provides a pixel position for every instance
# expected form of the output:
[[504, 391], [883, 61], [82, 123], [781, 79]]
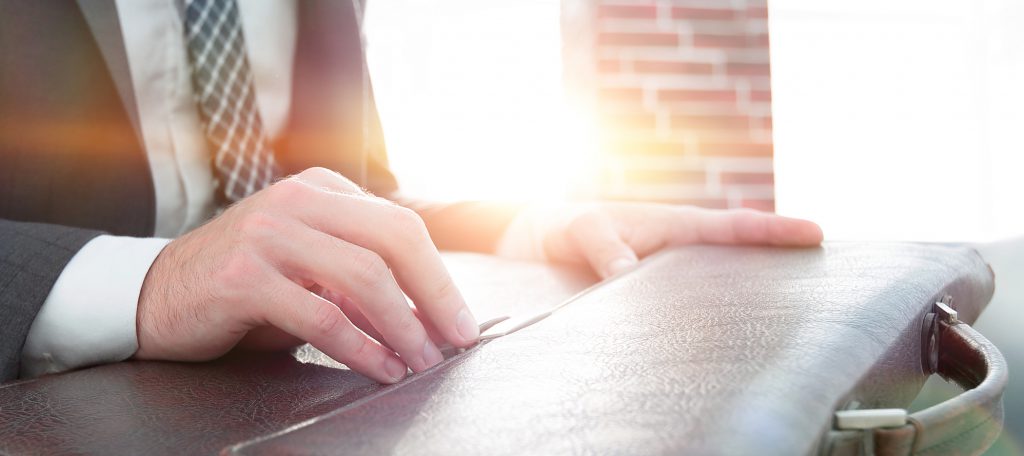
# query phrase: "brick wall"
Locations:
[[682, 98]]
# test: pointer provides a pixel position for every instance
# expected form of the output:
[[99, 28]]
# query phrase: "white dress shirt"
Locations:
[[90, 315]]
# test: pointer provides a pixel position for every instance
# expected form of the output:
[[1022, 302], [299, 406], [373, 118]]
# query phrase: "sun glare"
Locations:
[[471, 98]]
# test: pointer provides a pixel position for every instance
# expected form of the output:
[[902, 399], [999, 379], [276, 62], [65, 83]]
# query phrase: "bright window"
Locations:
[[900, 120], [470, 95]]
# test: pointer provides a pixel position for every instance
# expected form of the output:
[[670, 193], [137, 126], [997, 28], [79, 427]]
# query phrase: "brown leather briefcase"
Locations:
[[699, 350]]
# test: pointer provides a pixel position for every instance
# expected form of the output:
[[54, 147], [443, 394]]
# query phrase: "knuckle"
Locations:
[[287, 192], [445, 289], [357, 346], [321, 174], [406, 324], [327, 320], [409, 225], [369, 270], [743, 215], [257, 226], [317, 171]]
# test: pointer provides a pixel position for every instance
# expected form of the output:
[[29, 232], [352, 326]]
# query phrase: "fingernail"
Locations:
[[395, 368], [431, 355], [619, 264], [466, 325]]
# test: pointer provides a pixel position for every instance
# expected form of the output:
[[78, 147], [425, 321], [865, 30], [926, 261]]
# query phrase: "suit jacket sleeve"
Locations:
[[32, 256]]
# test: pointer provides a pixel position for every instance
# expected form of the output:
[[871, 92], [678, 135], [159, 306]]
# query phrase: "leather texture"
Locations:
[[701, 350], [157, 408]]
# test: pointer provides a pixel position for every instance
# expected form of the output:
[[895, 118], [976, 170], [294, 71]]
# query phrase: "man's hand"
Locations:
[[610, 237], [311, 258]]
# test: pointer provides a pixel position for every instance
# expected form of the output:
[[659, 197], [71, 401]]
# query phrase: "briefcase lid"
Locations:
[[697, 350]]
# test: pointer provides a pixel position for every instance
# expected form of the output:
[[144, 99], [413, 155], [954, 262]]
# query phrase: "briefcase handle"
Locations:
[[966, 424]]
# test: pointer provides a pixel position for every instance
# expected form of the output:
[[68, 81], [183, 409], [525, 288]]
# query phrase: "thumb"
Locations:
[[602, 246]]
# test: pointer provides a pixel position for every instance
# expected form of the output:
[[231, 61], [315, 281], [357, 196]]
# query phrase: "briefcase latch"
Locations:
[[870, 418], [942, 312]]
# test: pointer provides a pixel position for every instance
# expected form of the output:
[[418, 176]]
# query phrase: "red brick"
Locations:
[[683, 200], [747, 178], [654, 66], [646, 148], [663, 176], [761, 95], [758, 204], [708, 203], [684, 13], [705, 123], [627, 11], [735, 149], [657, 39], [694, 95], [748, 69], [757, 12], [708, 40], [710, 122]]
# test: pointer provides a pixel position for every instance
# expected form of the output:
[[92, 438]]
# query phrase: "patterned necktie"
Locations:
[[242, 159]]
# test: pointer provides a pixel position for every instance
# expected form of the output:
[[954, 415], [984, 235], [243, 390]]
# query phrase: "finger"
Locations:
[[432, 331], [365, 279], [351, 310], [356, 316], [319, 322], [597, 238], [399, 236], [744, 226]]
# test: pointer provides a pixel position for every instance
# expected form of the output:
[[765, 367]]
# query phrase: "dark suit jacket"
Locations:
[[72, 165]]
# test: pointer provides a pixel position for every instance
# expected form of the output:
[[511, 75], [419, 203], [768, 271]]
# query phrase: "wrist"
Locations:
[[149, 295]]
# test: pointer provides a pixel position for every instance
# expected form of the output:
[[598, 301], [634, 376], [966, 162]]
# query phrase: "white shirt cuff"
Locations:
[[89, 316]]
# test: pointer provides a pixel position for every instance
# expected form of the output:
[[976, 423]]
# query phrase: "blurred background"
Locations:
[[877, 119]]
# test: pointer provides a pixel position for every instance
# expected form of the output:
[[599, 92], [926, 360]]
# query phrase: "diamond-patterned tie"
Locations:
[[242, 159]]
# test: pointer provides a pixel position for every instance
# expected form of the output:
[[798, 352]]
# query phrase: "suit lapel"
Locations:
[[101, 15]]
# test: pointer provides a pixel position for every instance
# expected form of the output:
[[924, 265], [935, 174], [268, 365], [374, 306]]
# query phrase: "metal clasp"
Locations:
[[942, 312], [945, 312]]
